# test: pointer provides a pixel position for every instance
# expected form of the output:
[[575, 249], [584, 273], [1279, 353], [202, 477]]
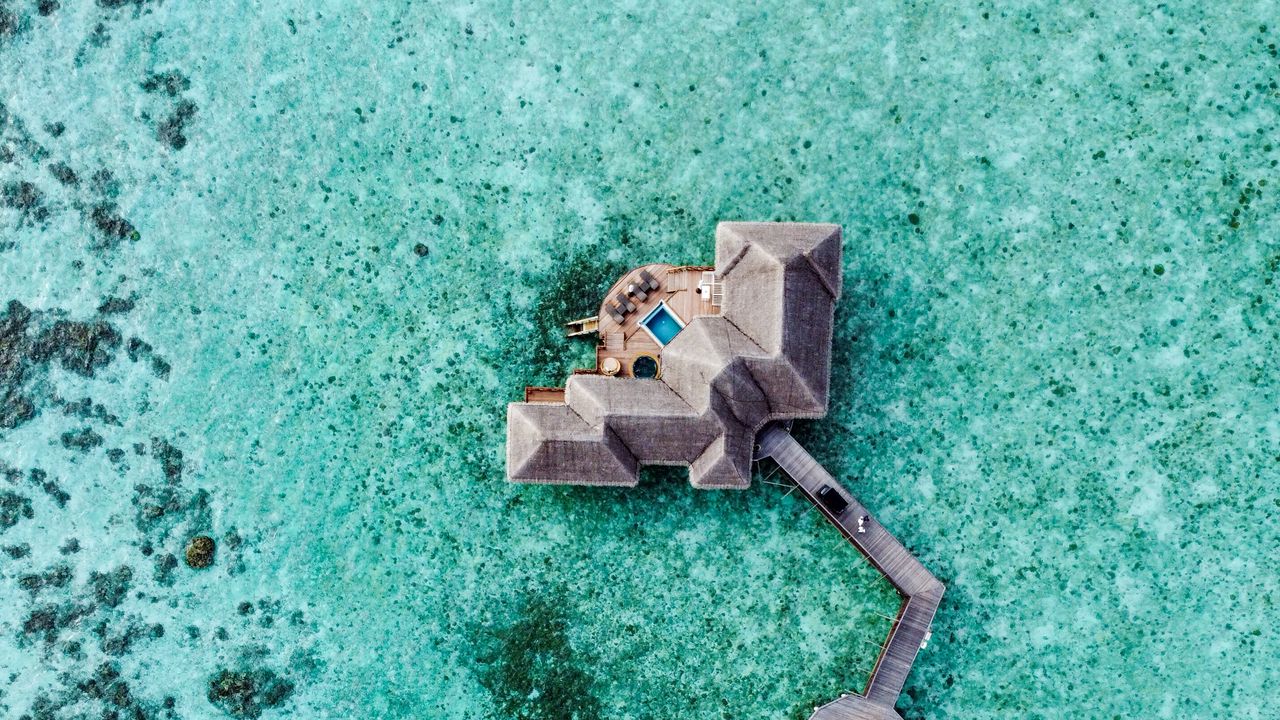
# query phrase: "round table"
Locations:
[[610, 366]]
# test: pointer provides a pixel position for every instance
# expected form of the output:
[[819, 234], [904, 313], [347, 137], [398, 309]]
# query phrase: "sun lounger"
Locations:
[[638, 291], [624, 302]]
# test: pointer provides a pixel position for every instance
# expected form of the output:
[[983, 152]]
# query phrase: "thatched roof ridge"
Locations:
[[550, 443]]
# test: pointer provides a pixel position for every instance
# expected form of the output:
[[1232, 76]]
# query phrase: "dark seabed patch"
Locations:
[[169, 82], [246, 693], [117, 4], [112, 227], [104, 693], [58, 576], [140, 350], [40, 479], [172, 129], [13, 509], [64, 174], [573, 291], [31, 341], [114, 305], [534, 673], [82, 440], [27, 199], [11, 23]]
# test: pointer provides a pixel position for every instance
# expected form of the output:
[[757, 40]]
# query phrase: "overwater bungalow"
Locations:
[[705, 367]]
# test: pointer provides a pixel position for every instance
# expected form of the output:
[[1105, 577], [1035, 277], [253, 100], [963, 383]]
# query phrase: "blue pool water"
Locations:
[[663, 324]]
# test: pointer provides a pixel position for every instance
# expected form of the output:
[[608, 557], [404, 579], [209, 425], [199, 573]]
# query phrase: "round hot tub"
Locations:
[[645, 366]]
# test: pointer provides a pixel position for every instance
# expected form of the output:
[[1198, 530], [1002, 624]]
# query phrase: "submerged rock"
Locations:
[[113, 305], [80, 347], [83, 440], [112, 226], [11, 24], [200, 551], [110, 588], [63, 173], [170, 82], [245, 694], [26, 198], [17, 552], [13, 508], [57, 576], [169, 457], [172, 130]]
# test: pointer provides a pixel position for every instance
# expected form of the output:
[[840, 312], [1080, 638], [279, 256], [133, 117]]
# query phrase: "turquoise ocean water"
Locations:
[[271, 271]]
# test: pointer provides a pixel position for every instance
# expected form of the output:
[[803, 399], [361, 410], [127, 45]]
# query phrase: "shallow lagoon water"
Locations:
[[299, 256]]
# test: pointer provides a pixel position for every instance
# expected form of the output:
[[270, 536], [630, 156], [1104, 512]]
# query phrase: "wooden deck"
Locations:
[[921, 592], [538, 394], [626, 341]]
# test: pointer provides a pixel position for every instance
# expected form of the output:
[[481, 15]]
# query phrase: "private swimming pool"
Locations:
[[662, 324]]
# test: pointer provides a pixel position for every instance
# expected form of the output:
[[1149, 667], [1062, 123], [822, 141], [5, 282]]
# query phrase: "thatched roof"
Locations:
[[766, 357]]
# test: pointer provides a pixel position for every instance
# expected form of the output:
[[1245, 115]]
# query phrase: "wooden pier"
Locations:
[[920, 590]]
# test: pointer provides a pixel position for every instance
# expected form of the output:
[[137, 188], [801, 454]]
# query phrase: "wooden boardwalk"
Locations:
[[921, 592]]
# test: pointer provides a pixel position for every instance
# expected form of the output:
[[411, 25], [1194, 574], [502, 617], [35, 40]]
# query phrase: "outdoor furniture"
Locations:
[[624, 302], [638, 291], [617, 313], [610, 366], [649, 281]]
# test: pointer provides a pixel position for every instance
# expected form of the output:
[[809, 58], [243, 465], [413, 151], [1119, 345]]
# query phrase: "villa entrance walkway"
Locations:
[[921, 592]]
